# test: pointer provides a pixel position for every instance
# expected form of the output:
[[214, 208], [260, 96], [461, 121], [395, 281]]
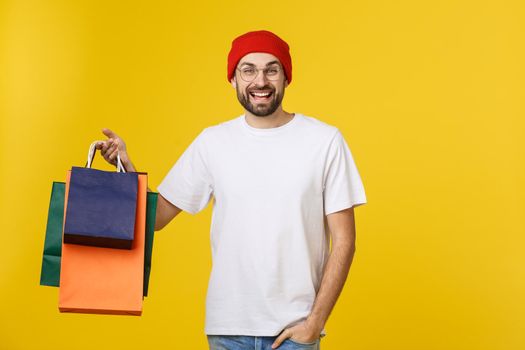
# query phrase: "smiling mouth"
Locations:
[[261, 96]]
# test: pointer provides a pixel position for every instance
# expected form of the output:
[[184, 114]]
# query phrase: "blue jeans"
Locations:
[[243, 342]]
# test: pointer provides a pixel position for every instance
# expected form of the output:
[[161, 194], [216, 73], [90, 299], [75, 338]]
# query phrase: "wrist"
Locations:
[[315, 323]]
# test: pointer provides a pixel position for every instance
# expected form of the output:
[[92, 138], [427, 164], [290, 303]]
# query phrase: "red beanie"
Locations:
[[260, 41]]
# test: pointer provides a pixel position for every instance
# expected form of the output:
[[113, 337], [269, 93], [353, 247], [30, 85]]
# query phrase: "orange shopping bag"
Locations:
[[105, 280]]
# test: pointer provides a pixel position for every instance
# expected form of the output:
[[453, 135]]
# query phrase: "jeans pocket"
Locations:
[[301, 343], [229, 342]]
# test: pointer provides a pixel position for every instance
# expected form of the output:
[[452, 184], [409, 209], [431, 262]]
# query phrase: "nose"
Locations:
[[260, 79]]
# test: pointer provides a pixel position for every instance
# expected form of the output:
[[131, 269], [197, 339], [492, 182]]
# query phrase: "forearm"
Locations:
[[334, 277]]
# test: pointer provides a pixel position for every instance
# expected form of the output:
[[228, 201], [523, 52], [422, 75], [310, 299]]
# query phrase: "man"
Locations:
[[283, 184]]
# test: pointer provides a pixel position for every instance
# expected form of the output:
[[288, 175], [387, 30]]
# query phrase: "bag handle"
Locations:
[[91, 155]]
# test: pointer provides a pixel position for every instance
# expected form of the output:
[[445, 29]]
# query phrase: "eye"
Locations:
[[273, 71], [248, 71]]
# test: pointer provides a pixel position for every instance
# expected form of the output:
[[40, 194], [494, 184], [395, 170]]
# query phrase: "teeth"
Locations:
[[261, 94]]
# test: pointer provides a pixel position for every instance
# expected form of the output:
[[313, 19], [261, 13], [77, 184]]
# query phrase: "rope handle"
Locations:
[[91, 155]]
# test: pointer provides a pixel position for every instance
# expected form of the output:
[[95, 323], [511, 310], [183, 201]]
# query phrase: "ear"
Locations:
[[285, 83], [234, 82]]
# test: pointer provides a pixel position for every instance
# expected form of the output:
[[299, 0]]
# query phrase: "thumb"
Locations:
[[109, 133]]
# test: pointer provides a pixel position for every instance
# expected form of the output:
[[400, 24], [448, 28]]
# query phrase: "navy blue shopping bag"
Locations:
[[101, 206]]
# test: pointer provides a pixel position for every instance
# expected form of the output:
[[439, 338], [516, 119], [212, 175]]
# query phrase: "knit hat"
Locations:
[[260, 41]]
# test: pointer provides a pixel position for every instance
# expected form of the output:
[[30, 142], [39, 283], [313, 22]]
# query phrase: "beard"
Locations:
[[261, 109]]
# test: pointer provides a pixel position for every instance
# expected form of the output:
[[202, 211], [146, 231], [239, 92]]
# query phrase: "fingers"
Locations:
[[107, 149], [113, 156], [110, 154], [106, 146], [113, 138], [111, 147], [284, 335], [109, 133]]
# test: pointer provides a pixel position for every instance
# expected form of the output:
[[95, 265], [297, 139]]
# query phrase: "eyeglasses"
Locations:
[[250, 73]]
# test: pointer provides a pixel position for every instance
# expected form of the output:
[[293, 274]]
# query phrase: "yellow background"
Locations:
[[428, 94]]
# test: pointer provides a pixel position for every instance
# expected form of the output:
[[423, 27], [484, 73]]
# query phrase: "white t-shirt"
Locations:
[[269, 238]]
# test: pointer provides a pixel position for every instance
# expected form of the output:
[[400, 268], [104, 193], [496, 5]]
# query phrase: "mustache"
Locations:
[[266, 87]]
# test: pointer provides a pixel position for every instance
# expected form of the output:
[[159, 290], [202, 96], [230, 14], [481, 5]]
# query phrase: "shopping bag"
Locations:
[[50, 272], [103, 280], [151, 213], [101, 206], [51, 260]]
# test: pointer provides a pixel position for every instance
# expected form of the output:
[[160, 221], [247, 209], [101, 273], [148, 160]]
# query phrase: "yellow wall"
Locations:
[[429, 95]]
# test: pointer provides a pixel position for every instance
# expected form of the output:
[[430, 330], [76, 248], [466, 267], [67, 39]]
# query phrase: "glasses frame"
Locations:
[[264, 70]]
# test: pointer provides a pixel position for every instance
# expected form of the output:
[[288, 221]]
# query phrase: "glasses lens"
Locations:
[[272, 73], [248, 74]]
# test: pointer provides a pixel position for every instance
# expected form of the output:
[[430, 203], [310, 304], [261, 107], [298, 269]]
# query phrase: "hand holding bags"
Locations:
[[95, 279]]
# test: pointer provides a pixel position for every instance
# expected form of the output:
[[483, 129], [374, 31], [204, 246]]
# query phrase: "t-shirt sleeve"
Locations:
[[342, 187], [188, 185]]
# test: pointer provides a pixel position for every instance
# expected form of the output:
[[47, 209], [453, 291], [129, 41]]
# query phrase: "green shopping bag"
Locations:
[[151, 213], [50, 273]]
